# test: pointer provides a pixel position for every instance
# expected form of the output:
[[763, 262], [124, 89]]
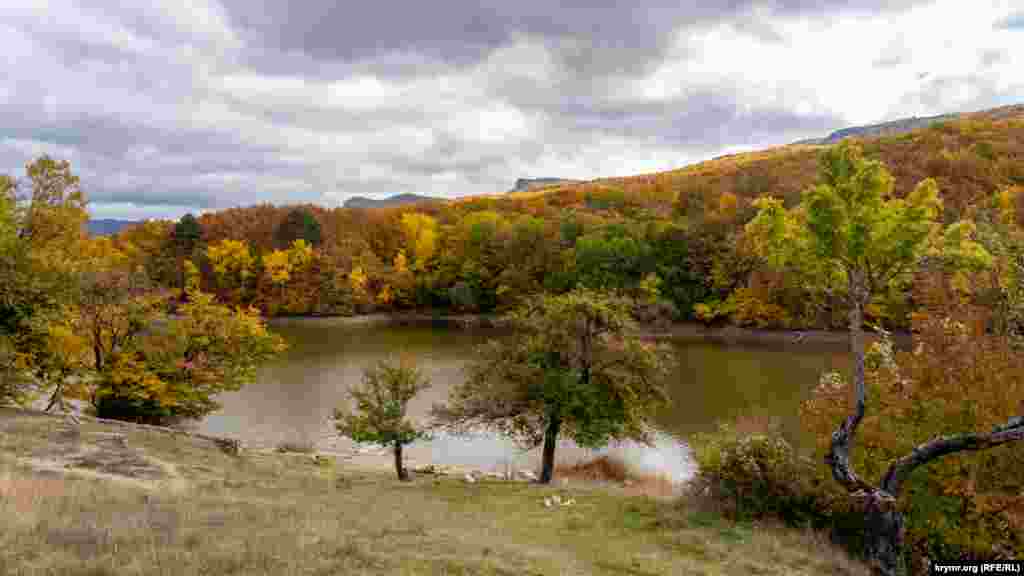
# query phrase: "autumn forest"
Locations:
[[921, 232]]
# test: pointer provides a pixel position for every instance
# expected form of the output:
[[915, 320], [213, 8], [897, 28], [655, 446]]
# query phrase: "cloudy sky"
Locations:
[[192, 105]]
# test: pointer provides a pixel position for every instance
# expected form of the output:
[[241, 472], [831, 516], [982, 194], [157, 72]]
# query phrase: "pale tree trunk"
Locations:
[[550, 440], [842, 439], [883, 522], [399, 466]]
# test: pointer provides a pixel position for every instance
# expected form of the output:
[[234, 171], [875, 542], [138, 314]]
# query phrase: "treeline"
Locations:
[[674, 242]]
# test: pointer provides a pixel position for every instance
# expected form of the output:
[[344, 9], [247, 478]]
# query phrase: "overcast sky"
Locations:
[[195, 105]]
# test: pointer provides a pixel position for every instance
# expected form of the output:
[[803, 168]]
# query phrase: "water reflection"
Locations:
[[292, 400]]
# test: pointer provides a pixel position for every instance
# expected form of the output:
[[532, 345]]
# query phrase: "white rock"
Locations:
[[547, 502], [469, 479], [526, 474]]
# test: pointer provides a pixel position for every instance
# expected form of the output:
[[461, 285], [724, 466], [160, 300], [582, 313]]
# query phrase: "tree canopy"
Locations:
[[575, 366], [381, 401], [299, 224], [850, 234]]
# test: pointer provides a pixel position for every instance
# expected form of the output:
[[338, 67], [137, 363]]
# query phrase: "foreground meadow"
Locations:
[[128, 500]]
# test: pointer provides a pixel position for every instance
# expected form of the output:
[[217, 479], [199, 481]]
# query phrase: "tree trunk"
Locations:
[[838, 457], [56, 398], [550, 438], [399, 467], [883, 534]]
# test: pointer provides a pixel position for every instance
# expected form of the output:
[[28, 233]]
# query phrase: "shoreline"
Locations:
[[376, 459], [679, 331]]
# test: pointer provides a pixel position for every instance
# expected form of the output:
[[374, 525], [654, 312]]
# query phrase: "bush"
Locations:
[[760, 476], [657, 315]]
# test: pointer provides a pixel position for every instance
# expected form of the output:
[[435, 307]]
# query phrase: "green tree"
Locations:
[[612, 259], [299, 224], [57, 213], [187, 234], [39, 239], [574, 366], [380, 405], [13, 385], [186, 239], [850, 235]]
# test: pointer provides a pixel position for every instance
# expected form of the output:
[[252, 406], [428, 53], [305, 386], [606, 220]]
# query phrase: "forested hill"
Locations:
[[892, 128], [672, 239], [107, 226], [524, 184], [396, 200]]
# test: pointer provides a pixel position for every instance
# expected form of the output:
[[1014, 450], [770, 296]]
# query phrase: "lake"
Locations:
[[293, 398]]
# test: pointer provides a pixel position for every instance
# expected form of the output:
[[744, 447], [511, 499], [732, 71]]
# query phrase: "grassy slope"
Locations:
[[284, 514]]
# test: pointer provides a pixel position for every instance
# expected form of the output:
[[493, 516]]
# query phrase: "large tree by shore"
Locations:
[[574, 366]]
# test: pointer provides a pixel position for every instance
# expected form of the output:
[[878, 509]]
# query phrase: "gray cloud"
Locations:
[[162, 110], [606, 37]]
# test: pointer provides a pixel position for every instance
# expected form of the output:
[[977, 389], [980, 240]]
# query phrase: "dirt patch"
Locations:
[[103, 455]]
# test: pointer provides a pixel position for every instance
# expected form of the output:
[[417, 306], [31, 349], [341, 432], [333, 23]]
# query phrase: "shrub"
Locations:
[[759, 476]]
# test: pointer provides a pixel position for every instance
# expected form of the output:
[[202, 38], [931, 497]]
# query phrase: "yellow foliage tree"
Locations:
[[232, 263], [300, 254], [277, 266], [420, 232]]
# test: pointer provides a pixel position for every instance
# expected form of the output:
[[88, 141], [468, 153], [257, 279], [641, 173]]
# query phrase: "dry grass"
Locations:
[[268, 513], [604, 470], [297, 447]]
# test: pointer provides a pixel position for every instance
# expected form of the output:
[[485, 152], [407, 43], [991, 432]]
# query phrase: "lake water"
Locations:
[[293, 398]]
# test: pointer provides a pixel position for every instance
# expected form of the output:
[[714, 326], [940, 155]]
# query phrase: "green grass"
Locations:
[[271, 513]]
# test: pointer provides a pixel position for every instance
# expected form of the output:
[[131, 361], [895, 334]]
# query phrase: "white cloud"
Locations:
[[163, 104], [830, 65]]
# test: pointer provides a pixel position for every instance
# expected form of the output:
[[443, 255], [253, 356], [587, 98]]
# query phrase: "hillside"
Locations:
[[680, 228], [971, 156]]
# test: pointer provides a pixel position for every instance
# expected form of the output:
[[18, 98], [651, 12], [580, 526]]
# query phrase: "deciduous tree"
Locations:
[[379, 414], [851, 235], [299, 224], [574, 367]]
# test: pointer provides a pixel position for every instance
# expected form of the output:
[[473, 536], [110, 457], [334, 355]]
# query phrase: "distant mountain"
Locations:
[[524, 184], [883, 129], [396, 200], [107, 226]]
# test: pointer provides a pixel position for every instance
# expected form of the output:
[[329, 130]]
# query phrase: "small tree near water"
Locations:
[[574, 366], [380, 405]]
